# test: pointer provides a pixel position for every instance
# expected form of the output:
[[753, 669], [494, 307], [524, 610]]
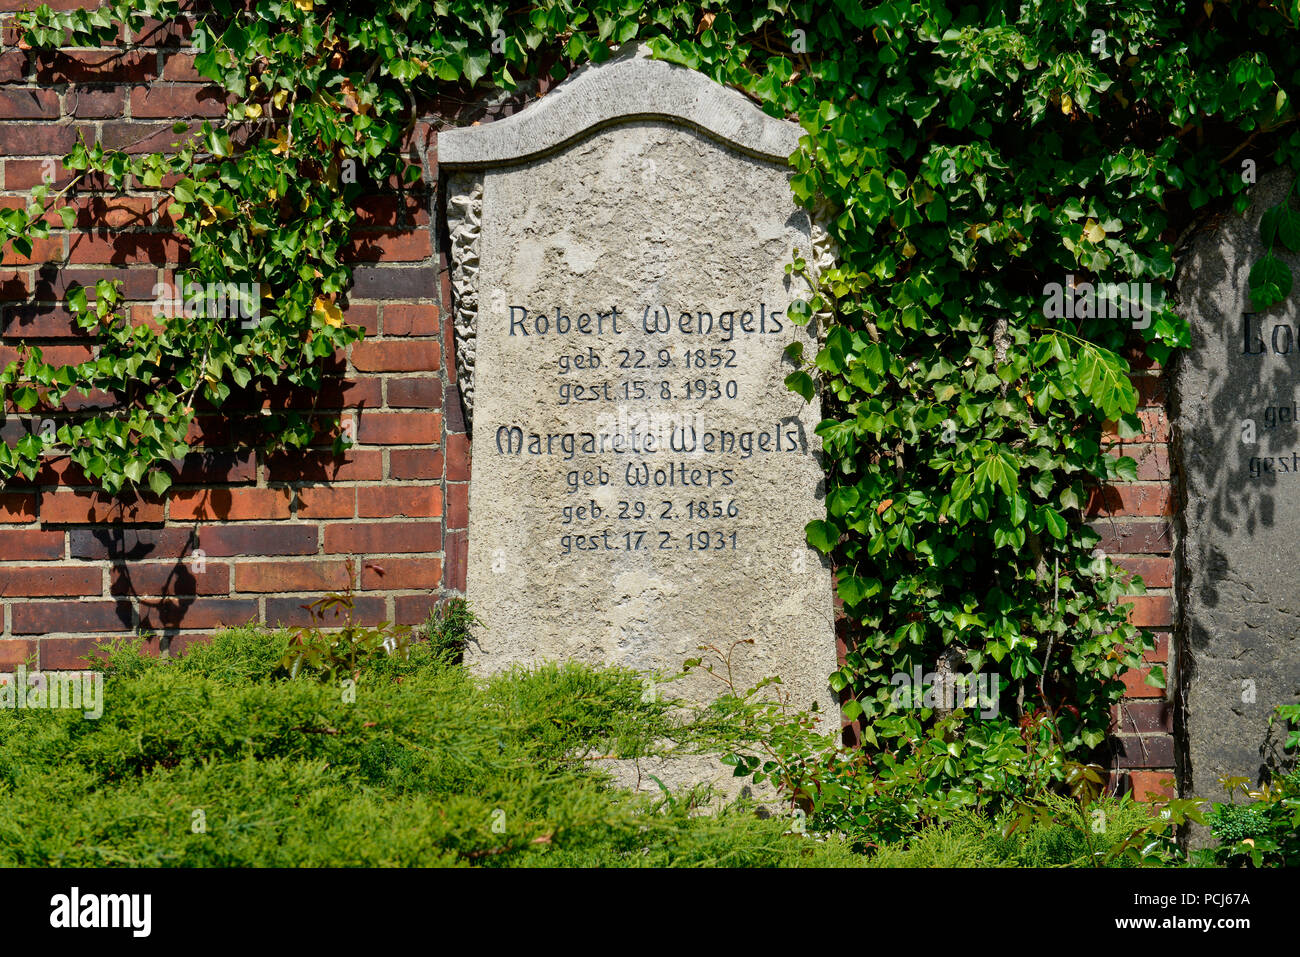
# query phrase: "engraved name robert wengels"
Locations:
[[654, 320]]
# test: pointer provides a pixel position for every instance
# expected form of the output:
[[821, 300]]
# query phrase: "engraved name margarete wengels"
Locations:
[[624, 362]]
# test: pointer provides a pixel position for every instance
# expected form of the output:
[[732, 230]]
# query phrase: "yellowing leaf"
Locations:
[[1092, 229], [215, 213], [329, 313], [304, 4], [281, 141], [280, 99], [253, 111], [909, 250], [1067, 104]]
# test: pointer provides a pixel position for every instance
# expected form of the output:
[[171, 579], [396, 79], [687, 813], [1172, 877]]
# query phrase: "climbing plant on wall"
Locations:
[[1006, 185]]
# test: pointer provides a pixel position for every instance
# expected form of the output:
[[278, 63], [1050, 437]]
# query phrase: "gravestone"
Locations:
[[642, 476], [1237, 445]]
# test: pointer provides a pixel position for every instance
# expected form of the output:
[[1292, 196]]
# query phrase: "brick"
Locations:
[[1160, 653], [378, 209], [366, 609], [70, 654], [215, 468], [180, 66], [43, 250], [326, 502], [401, 573], [159, 33], [1152, 460], [1145, 751], [39, 322], [55, 355], [365, 316], [24, 174], [1134, 717], [457, 550], [454, 408], [130, 544], [335, 393], [185, 99], [54, 283], [1148, 500], [413, 609], [393, 282], [13, 66], [69, 507], [170, 578], [423, 393], [230, 504], [166, 614], [51, 580], [419, 464], [315, 465], [399, 356], [1129, 538], [38, 139], [1151, 390], [1156, 571], [209, 431], [258, 540], [458, 505], [458, 457], [134, 137], [388, 245], [1150, 610], [122, 248], [400, 428], [13, 287], [97, 104], [115, 212], [405, 319], [28, 104], [1143, 784], [382, 538], [291, 576], [94, 66], [17, 651], [389, 501], [46, 617], [1135, 685], [17, 508]]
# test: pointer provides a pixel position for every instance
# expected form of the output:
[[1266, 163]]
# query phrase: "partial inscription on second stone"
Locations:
[[642, 476]]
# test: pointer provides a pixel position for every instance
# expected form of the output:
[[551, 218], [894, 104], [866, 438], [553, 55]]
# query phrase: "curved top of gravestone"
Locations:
[[630, 86]]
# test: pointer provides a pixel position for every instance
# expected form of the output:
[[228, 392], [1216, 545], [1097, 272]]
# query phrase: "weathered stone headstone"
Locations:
[[642, 476], [1237, 443]]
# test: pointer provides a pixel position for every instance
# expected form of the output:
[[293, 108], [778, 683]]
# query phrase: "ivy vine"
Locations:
[[971, 156]]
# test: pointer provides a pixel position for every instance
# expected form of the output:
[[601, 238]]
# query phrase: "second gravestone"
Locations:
[[1236, 391], [642, 476]]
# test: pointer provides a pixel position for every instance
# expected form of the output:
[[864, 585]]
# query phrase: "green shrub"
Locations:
[[218, 758], [1265, 832]]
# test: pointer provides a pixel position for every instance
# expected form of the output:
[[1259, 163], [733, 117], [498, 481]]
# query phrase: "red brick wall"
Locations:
[[1135, 521], [241, 535], [278, 531]]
